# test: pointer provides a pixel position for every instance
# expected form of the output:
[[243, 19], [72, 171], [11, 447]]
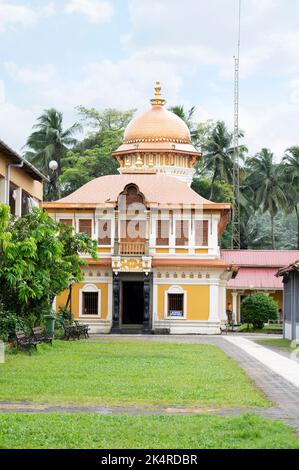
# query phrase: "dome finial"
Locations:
[[158, 100]]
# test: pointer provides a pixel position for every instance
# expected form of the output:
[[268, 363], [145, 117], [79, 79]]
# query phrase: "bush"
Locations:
[[9, 324], [258, 309]]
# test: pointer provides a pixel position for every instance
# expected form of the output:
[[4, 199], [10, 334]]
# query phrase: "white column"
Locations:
[[155, 301], [2, 189], [214, 301], [235, 297], [110, 295], [18, 195]]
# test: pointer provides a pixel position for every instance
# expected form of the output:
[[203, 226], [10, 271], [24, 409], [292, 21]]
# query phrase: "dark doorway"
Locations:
[[132, 303]]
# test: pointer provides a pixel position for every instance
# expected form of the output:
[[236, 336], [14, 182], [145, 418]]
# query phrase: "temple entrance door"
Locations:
[[132, 303]]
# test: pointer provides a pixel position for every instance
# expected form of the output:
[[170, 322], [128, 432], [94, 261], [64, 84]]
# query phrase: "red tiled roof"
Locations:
[[258, 268], [159, 191]]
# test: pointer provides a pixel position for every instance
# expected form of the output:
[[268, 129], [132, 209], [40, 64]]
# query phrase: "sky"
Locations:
[[109, 53]]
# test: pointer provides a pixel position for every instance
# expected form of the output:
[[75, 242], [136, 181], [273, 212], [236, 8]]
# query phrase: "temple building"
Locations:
[[159, 265]]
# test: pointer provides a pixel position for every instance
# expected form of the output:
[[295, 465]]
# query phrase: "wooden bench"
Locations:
[[25, 342], [71, 331], [84, 329], [40, 335]]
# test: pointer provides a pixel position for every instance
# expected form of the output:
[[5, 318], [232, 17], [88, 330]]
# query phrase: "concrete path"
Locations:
[[283, 366]]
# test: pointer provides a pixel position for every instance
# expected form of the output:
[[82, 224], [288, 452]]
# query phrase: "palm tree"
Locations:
[[290, 176], [264, 182], [187, 117], [50, 141], [218, 154]]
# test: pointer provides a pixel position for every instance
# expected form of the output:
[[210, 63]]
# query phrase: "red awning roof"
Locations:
[[257, 268], [262, 258], [256, 278]]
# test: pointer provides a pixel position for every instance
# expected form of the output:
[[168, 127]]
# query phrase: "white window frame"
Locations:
[[112, 222], [89, 288], [175, 290], [197, 219], [67, 218]]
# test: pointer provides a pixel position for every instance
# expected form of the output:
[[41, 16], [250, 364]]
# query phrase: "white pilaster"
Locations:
[[235, 303], [214, 301]]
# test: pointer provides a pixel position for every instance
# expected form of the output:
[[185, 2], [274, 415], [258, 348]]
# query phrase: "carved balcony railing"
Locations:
[[132, 248]]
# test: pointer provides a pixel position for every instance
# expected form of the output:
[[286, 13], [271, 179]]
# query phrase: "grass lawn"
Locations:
[[268, 328], [89, 431], [132, 373], [281, 343]]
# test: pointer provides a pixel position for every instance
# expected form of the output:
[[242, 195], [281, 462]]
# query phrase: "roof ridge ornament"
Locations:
[[158, 100]]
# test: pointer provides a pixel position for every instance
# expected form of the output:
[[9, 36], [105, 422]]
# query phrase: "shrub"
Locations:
[[9, 324], [258, 309]]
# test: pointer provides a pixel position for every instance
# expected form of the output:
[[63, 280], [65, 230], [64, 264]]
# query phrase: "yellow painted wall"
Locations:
[[278, 296], [181, 250], [162, 250], [20, 178], [104, 250], [198, 301], [201, 251], [62, 299]]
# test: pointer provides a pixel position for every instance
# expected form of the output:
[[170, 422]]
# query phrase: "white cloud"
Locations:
[[123, 84], [28, 75], [96, 11], [13, 15], [2, 92]]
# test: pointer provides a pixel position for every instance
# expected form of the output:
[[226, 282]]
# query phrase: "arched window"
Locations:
[[175, 303], [90, 301]]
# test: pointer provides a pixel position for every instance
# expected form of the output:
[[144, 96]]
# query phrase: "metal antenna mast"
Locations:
[[236, 168]]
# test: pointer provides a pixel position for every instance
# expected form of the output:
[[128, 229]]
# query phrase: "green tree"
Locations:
[[109, 119], [80, 169], [188, 117], [290, 181], [91, 157], [39, 259], [257, 309], [264, 183], [222, 193], [50, 140], [218, 155]]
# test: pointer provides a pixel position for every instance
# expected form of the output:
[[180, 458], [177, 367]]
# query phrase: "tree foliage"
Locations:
[[257, 309], [39, 259]]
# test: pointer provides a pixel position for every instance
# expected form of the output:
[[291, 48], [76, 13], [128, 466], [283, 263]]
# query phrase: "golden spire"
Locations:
[[157, 99]]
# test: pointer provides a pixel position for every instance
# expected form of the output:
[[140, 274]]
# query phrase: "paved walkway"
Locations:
[[260, 363], [283, 366]]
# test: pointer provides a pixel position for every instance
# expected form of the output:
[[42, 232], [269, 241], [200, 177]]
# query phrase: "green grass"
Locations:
[[281, 343], [90, 431], [268, 328], [131, 373]]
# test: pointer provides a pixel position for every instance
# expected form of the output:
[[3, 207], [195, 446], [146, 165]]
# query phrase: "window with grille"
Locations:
[[175, 305], [201, 232], [85, 226], [90, 303], [162, 237], [182, 232], [104, 232], [66, 222]]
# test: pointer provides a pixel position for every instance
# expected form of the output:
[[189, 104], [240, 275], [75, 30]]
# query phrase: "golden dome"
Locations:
[[157, 125]]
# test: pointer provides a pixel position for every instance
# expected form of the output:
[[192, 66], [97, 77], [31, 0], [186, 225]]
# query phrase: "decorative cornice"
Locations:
[[157, 139]]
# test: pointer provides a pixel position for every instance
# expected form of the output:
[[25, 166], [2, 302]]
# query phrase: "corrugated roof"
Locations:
[[256, 278], [262, 258]]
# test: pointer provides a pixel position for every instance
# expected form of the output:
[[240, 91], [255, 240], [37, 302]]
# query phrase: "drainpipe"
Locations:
[[8, 167]]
